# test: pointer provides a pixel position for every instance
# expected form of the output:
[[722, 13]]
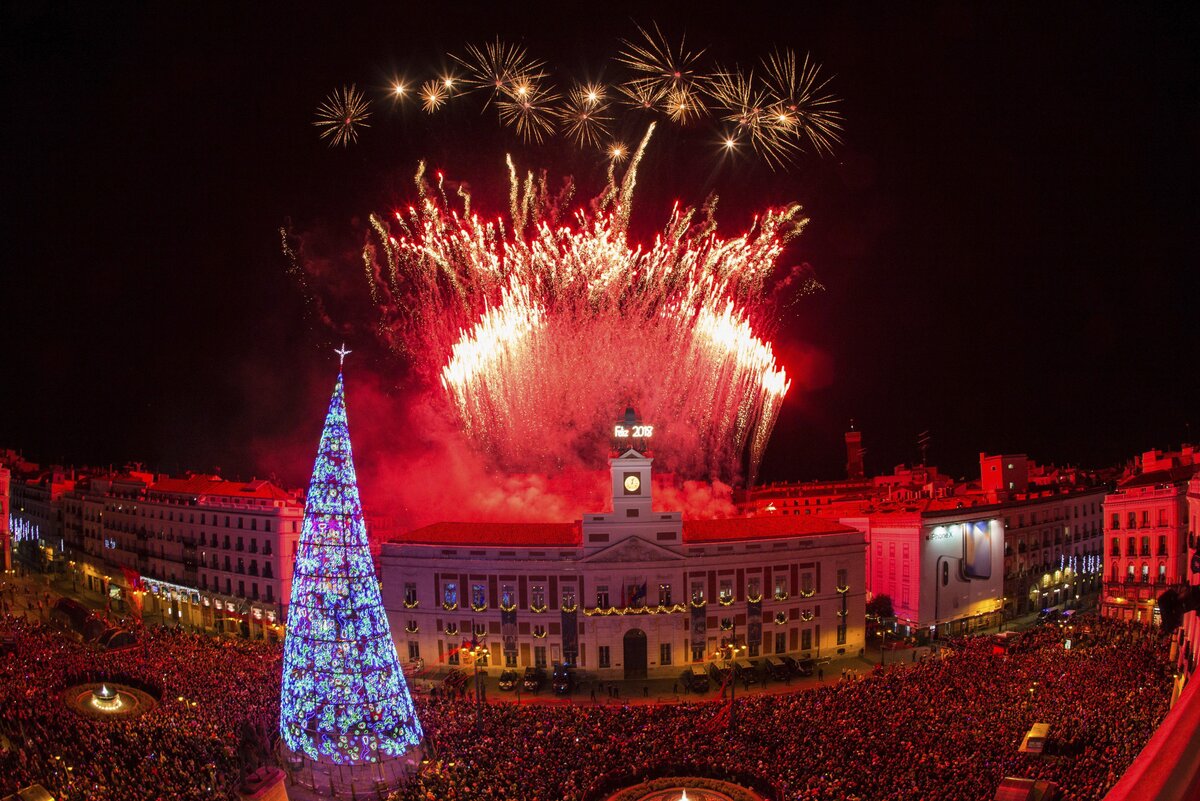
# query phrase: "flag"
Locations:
[[637, 594]]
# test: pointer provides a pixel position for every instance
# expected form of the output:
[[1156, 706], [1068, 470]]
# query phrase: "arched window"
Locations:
[[1131, 576], [1145, 573], [1162, 572]]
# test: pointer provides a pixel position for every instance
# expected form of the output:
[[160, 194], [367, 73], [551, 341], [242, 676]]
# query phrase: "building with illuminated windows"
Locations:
[[1146, 528], [628, 593]]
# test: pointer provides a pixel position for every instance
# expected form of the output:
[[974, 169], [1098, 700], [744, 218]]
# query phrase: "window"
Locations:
[[539, 656], [568, 596], [754, 588], [1132, 519], [410, 593], [664, 598], [538, 597], [450, 594], [414, 650], [452, 657], [603, 656], [254, 524], [241, 589], [241, 568], [841, 634], [664, 653], [697, 593], [780, 642], [1162, 544], [1132, 573], [781, 587], [842, 577], [725, 592], [1145, 573], [1145, 546], [1131, 546], [510, 659], [270, 590], [697, 652], [254, 567], [478, 596], [507, 597], [267, 572], [806, 640], [266, 525], [1116, 546], [602, 597]]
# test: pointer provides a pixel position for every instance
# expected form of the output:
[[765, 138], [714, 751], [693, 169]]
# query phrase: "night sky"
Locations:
[[1008, 237]]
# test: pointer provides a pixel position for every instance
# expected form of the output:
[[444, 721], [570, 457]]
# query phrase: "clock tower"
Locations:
[[629, 464]]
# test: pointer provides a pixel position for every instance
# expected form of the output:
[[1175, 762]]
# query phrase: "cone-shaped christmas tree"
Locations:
[[344, 699]]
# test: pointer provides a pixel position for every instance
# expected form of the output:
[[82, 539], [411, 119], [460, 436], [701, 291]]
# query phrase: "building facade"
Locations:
[[198, 551], [632, 593], [1146, 528]]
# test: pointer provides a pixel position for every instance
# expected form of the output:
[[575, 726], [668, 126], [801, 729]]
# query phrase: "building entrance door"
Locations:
[[635, 654]]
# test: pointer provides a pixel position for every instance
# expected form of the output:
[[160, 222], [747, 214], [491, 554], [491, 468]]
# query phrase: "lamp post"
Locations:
[[729, 652], [883, 633], [477, 650]]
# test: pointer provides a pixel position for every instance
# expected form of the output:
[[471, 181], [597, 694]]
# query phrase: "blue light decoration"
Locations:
[[344, 699]]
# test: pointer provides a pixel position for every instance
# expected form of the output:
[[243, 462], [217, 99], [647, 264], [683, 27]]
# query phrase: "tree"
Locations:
[[344, 699], [880, 607]]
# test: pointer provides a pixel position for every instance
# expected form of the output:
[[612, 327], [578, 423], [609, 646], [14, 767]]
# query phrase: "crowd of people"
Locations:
[[946, 727], [219, 702]]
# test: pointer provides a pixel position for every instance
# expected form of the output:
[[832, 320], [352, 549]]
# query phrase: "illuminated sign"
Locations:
[[637, 432]]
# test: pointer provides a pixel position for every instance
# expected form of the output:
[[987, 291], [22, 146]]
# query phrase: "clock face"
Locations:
[[632, 483]]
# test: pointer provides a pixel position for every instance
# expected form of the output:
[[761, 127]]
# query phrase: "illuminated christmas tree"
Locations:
[[344, 699]]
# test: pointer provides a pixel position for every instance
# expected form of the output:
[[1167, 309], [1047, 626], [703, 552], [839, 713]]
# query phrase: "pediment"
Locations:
[[632, 454], [634, 549]]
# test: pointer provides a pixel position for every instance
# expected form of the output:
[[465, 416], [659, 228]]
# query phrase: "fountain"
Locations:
[[107, 700]]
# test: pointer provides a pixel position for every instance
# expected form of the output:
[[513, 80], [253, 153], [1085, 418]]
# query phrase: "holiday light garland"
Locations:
[[343, 699]]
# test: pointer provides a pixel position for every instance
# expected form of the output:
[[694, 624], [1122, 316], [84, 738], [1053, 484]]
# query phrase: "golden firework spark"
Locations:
[[341, 115], [494, 65], [584, 115], [749, 109], [802, 106], [434, 94], [528, 109], [643, 95], [659, 62]]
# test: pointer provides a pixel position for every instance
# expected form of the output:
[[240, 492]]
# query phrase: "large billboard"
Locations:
[[966, 561]]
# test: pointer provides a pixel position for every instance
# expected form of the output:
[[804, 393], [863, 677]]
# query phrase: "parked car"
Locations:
[[534, 678], [508, 680], [805, 667], [563, 680], [694, 679]]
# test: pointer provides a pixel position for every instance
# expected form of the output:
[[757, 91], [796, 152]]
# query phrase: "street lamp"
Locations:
[[729, 652], [477, 650]]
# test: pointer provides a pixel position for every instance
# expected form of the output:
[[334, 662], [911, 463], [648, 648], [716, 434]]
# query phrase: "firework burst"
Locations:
[[535, 328], [659, 63], [802, 106], [495, 65], [585, 116], [528, 109], [341, 115]]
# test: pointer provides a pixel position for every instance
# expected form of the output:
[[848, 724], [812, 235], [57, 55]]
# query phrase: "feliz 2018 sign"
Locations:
[[637, 432]]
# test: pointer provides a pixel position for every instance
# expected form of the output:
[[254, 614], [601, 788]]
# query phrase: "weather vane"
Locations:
[[342, 354]]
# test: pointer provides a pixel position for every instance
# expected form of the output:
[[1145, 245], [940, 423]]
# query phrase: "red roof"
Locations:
[[215, 486], [756, 528], [565, 535], [1171, 475]]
